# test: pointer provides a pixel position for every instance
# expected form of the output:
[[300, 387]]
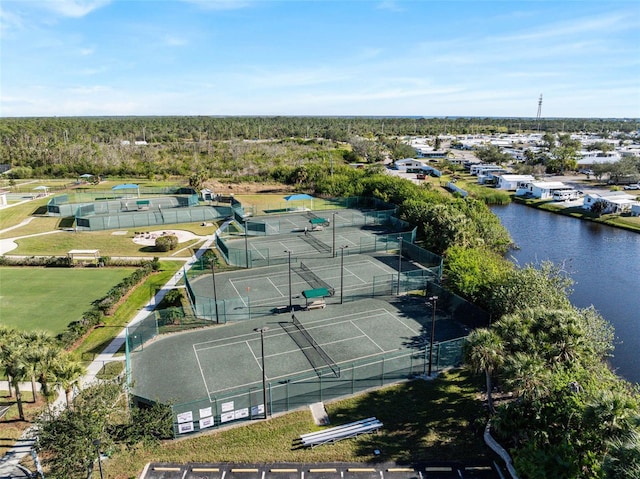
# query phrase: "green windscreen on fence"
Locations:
[[297, 391]]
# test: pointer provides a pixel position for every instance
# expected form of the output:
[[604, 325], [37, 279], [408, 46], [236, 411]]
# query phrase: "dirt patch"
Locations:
[[240, 188], [149, 239]]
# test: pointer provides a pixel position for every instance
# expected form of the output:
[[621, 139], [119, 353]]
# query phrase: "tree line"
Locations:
[[235, 147]]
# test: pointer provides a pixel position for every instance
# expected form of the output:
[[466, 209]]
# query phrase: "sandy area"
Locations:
[[150, 239]]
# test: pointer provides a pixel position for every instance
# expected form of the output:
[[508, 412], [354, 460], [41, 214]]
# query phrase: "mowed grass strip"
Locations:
[[50, 298], [439, 420]]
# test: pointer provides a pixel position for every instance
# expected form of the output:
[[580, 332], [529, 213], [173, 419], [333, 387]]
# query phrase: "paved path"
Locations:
[[9, 468]]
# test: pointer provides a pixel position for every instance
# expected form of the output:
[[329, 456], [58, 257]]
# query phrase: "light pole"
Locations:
[[333, 219], [432, 300], [263, 330], [342, 271], [290, 305], [96, 443], [399, 261], [246, 243], [215, 295]]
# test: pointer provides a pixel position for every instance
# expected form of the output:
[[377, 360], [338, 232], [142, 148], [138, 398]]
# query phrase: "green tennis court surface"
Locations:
[[269, 287], [212, 363]]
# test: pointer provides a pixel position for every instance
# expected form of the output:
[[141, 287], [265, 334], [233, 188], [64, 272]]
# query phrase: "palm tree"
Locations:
[[37, 343], [13, 354], [7, 336], [49, 358], [67, 373], [484, 352], [527, 374]]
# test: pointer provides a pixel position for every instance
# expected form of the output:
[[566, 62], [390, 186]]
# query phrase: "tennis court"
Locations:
[[269, 287], [216, 363], [270, 239]]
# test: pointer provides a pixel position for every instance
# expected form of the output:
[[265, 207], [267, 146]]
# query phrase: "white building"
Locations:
[[409, 164], [614, 201], [484, 168], [513, 182], [541, 189]]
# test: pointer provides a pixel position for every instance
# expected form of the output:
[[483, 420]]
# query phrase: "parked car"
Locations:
[[632, 187]]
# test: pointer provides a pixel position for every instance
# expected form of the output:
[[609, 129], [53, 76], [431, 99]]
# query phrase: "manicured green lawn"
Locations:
[[440, 420], [50, 298]]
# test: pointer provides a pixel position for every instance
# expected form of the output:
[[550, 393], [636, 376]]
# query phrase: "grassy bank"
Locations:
[[423, 421], [100, 337], [624, 221]]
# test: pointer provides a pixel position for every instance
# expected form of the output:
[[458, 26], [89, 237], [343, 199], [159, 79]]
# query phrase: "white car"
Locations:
[[632, 187]]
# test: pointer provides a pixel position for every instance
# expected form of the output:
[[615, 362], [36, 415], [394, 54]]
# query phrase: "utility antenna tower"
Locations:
[[539, 111]]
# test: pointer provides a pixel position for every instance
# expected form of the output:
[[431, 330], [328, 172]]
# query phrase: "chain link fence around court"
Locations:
[[296, 391], [258, 257]]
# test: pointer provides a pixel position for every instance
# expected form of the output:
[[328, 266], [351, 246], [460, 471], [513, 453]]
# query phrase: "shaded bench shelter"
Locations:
[[127, 186], [315, 296], [299, 197], [84, 255]]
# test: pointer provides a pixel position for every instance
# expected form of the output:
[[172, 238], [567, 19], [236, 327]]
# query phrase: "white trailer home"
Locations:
[[513, 182], [614, 201], [541, 189]]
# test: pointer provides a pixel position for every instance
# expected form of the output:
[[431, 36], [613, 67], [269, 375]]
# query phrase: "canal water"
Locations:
[[603, 261]]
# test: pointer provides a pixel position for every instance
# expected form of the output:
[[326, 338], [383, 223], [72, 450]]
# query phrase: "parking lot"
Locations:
[[443, 470]]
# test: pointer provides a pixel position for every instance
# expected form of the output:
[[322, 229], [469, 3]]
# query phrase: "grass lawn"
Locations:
[[50, 298], [423, 421], [277, 203], [109, 244]]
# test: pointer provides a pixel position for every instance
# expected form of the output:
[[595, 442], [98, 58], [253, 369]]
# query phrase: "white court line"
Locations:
[[277, 289], [344, 238], [201, 372], [254, 356], [367, 336], [237, 292], [380, 312], [355, 275], [254, 249]]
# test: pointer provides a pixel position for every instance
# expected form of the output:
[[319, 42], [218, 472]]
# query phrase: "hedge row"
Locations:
[[101, 307]]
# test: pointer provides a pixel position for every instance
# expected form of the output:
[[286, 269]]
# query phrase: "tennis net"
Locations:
[[316, 243], [313, 279], [317, 357]]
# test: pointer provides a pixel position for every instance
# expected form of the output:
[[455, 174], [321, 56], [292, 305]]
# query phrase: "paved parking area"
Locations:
[[321, 471]]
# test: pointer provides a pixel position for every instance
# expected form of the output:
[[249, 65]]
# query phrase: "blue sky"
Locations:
[[330, 57]]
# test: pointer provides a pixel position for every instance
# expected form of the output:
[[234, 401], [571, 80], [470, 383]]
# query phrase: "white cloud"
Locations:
[[390, 5], [85, 52], [571, 28], [174, 41], [9, 20], [220, 4], [74, 8]]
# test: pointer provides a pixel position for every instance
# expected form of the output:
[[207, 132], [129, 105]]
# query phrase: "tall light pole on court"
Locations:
[[246, 243], [432, 300], [215, 294], [399, 261], [333, 221], [342, 271], [290, 302], [263, 330]]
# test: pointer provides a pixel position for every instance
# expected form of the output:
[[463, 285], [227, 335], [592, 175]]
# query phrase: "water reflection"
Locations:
[[603, 261]]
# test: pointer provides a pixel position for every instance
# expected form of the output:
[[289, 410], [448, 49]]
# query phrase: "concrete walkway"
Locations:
[[9, 463]]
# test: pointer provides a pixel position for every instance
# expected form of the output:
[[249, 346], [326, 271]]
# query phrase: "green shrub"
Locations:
[[166, 243]]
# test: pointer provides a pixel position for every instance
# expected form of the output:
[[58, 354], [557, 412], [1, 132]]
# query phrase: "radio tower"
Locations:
[[539, 111]]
